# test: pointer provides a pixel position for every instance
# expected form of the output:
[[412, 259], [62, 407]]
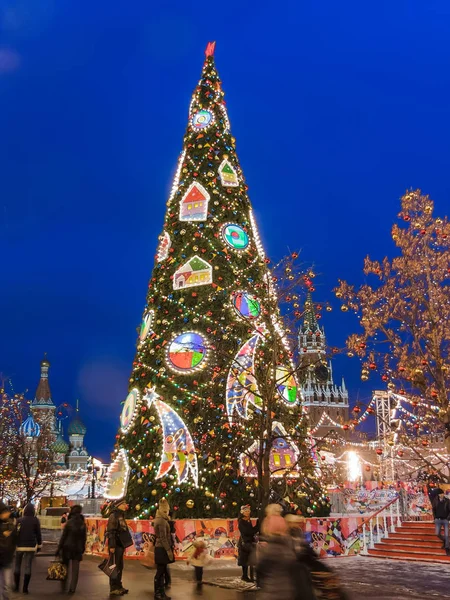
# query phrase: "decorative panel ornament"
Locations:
[[187, 352], [286, 385], [178, 446], [284, 456], [194, 204], [146, 325], [246, 305], [195, 272], [228, 175], [117, 477], [242, 388], [129, 410], [202, 119], [164, 246], [235, 236]]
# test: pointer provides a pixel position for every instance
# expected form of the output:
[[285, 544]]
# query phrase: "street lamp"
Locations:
[[93, 468]]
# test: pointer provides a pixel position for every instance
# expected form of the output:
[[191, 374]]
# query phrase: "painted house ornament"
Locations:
[[235, 236], [187, 352], [194, 204], [118, 476], [227, 174], [164, 246], [129, 410], [202, 119], [195, 272], [283, 458], [146, 325]]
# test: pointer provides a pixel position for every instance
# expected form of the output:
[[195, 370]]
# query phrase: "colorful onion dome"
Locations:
[[60, 446], [30, 428], [77, 427]]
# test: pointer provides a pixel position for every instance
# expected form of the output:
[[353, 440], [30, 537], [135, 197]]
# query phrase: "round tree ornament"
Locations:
[[202, 119], [286, 385], [235, 236], [187, 352], [146, 325], [129, 410], [246, 305]]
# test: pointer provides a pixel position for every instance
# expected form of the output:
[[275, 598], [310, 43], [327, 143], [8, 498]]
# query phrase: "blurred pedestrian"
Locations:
[[312, 578], [119, 539], [7, 546], [276, 562], [247, 543], [72, 545], [163, 548], [199, 559], [29, 542]]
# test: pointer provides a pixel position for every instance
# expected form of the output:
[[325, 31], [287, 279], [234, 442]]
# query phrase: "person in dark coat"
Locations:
[[7, 546], [247, 543], [277, 562], [441, 515], [163, 548], [72, 545], [168, 577], [29, 542], [117, 534]]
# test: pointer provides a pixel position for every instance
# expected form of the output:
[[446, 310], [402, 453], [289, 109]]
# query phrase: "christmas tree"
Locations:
[[203, 391]]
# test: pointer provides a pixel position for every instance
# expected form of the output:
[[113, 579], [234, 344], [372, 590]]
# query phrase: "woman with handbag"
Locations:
[[247, 544], [163, 548], [72, 545], [119, 539]]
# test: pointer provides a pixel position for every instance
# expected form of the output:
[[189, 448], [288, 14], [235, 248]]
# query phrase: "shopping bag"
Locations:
[[57, 571], [108, 566]]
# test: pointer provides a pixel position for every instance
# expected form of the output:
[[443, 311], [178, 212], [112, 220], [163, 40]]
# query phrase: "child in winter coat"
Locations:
[[199, 559]]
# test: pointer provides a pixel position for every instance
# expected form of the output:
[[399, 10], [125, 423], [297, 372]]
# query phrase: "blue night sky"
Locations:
[[337, 108]]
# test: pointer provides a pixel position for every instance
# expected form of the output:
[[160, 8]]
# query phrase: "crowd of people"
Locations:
[[21, 540], [275, 556], [272, 554]]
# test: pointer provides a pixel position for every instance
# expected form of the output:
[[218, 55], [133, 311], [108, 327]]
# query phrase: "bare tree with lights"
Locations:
[[26, 451], [405, 315]]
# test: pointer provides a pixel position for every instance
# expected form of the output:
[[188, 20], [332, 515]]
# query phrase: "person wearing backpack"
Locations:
[[29, 542], [72, 545]]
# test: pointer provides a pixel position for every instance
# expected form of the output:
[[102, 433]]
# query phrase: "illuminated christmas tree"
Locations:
[[210, 334]]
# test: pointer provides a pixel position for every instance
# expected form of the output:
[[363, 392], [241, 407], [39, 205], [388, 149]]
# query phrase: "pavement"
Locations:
[[364, 579]]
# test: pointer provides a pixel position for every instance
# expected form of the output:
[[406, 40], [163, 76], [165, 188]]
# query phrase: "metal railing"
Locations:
[[389, 515]]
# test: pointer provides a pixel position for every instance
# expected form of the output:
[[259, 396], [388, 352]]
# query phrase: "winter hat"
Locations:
[[76, 510], [199, 544], [274, 525], [29, 510], [245, 508], [274, 509], [164, 507]]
